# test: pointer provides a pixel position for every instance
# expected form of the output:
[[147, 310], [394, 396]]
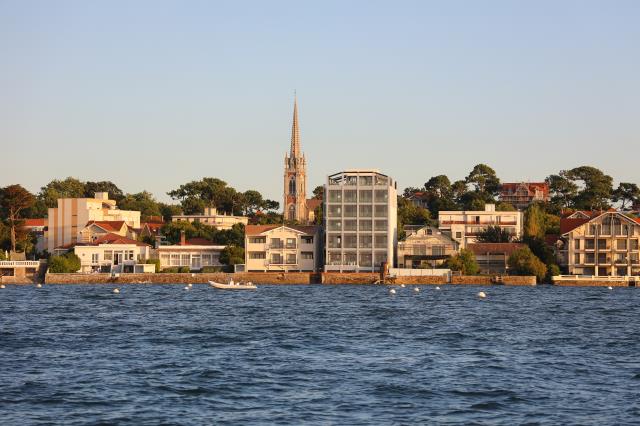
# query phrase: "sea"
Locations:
[[319, 354]]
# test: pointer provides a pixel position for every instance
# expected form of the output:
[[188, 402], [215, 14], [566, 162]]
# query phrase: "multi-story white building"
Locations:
[[211, 217], [465, 226], [360, 216], [281, 248], [600, 244], [72, 215], [113, 253]]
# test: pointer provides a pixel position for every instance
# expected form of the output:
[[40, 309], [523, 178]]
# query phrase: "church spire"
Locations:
[[295, 132]]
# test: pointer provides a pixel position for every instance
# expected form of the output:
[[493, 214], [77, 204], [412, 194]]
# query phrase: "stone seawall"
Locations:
[[349, 277], [489, 280], [585, 283], [256, 277]]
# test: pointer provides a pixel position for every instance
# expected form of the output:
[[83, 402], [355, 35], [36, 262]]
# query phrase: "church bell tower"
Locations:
[[295, 176]]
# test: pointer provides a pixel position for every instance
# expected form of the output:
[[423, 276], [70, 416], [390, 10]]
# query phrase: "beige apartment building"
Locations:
[[600, 244], [425, 247], [72, 215], [360, 215], [281, 248], [211, 217], [464, 226]]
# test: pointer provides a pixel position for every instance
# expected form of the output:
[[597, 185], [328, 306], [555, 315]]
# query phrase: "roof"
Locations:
[[108, 225], [32, 223], [260, 229], [568, 225], [198, 241], [153, 226], [543, 186], [116, 239], [484, 248]]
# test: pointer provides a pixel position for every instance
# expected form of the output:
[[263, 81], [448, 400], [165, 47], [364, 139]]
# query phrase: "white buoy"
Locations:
[[482, 295], [186, 288], [416, 289], [437, 288], [1, 285], [116, 291], [190, 285], [39, 285], [392, 291], [610, 288], [402, 285]]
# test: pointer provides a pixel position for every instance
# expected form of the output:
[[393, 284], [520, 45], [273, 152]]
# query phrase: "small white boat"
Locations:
[[233, 286]]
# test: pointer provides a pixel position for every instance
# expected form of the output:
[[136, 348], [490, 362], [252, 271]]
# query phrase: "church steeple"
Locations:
[[295, 132]]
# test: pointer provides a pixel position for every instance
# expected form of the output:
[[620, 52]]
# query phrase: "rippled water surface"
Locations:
[[319, 354]]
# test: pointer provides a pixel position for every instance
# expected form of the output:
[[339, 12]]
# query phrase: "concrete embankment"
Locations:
[[585, 283], [279, 278]]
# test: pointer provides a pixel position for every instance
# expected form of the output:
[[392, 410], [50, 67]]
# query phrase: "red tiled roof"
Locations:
[[484, 248], [568, 225], [259, 229], [153, 226], [313, 203], [32, 223], [551, 239], [198, 242], [116, 239], [108, 225]]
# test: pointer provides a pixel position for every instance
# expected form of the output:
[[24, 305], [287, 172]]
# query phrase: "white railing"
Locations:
[[405, 272], [19, 263], [595, 278]]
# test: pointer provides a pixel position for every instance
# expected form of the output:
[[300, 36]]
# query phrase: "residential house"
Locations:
[[465, 226], [37, 227], [194, 254], [211, 217], [360, 216], [521, 194], [281, 248], [600, 243], [493, 258], [112, 253], [424, 247]]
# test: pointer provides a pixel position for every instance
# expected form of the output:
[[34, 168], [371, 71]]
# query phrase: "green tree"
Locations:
[[626, 193], [410, 214], [14, 200], [67, 188], [115, 193], [596, 187], [169, 210], [562, 190], [503, 206], [440, 194], [484, 180], [232, 255], [534, 221], [464, 261], [494, 234], [144, 202], [318, 192], [524, 262]]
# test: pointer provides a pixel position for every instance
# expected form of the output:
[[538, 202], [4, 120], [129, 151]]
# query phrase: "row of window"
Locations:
[[352, 259], [277, 258], [357, 210], [605, 258], [612, 227], [602, 244], [337, 225], [187, 259], [116, 255], [354, 196], [356, 241], [361, 180], [280, 243]]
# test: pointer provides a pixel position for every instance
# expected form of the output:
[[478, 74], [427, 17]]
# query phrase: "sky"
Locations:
[[154, 94]]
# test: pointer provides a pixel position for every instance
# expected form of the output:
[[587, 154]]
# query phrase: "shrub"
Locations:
[[65, 263], [154, 262], [211, 269], [524, 262], [465, 262]]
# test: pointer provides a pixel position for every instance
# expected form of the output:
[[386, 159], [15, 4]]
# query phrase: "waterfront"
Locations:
[[319, 354]]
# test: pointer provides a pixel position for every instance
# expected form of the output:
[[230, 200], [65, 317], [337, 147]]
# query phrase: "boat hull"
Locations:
[[232, 286]]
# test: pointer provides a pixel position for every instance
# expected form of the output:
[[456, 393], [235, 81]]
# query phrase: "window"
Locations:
[[184, 259], [276, 243], [350, 196], [576, 259], [108, 255], [335, 196], [350, 211], [589, 244], [350, 259], [458, 235], [351, 180], [306, 255], [366, 180], [381, 211], [276, 258], [366, 225], [335, 211], [164, 259], [621, 244], [335, 225], [257, 240], [206, 259], [351, 225], [307, 240], [366, 241], [576, 244], [381, 241], [292, 186], [590, 258], [130, 255], [438, 250], [292, 212], [602, 244], [95, 257], [350, 241], [420, 250], [291, 259], [381, 195], [175, 259], [291, 243], [381, 180], [365, 259], [381, 225], [335, 241], [257, 255], [366, 211], [366, 195]]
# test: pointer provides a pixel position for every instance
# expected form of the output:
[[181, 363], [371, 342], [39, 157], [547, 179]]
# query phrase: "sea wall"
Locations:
[[256, 277], [590, 283], [490, 279], [349, 277]]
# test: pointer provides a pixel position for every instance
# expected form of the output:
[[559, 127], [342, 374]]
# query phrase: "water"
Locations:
[[319, 355]]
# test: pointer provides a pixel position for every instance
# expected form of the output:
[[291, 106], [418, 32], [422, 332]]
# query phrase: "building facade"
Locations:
[[600, 244], [465, 226], [295, 176], [360, 217], [113, 253], [212, 218], [194, 254], [521, 194], [493, 258], [72, 215], [425, 247], [281, 248]]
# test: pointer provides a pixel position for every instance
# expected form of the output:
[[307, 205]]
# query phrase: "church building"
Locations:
[[295, 177]]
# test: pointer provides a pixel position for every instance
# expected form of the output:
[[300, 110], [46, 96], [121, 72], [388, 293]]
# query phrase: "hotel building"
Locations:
[[360, 216]]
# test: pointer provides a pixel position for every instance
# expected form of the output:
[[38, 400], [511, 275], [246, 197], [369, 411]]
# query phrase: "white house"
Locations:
[[113, 253]]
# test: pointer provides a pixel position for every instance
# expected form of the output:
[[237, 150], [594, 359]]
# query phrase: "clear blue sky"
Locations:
[[152, 94]]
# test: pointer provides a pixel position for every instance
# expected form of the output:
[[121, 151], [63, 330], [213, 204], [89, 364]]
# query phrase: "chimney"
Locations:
[[183, 238]]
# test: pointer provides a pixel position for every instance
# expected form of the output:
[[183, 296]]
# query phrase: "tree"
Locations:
[[232, 255], [410, 214], [440, 194], [14, 199], [169, 210], [464, 261], [503, 206], [144, 202], [562, 190], [524, 262], [626, 193], [494, 234], [253, 202], [115, 193], [208, 192], [318, 192], [534, 221], [68, 188], [596, 187], [484, 180], [66, 263]]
